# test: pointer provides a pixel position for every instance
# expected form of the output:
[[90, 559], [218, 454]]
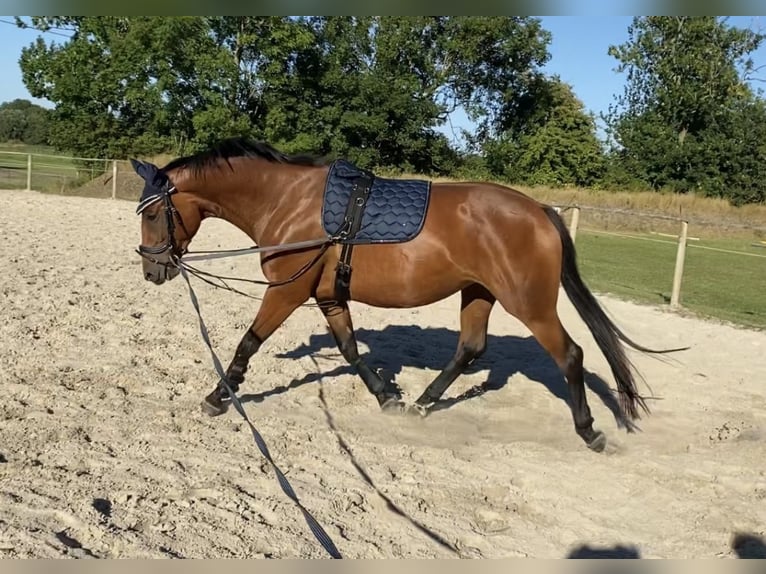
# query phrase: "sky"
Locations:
[[578, 55]]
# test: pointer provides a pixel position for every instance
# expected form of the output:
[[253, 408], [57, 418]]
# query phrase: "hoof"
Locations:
[[416, 410], [211, 409], [392, 405], [598, 443]]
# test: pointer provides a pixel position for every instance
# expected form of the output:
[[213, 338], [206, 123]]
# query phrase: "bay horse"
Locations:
[[489, 242]]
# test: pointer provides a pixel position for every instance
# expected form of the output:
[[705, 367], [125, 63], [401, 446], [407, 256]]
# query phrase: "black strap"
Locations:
[[352, 222], [316, 529]]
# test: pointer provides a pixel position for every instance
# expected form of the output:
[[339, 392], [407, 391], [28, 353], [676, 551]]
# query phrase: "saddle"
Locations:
[[360, 208]]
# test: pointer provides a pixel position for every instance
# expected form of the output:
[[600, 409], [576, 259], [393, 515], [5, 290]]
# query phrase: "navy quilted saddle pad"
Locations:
[[395, 209]]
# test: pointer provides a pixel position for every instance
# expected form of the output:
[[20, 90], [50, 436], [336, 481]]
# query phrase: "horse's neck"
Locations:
[[249, 196]]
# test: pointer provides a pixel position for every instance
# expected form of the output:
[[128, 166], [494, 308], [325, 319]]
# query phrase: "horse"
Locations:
[[332, 233]]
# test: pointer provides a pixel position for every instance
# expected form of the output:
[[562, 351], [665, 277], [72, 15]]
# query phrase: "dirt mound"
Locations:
[[129, 185]]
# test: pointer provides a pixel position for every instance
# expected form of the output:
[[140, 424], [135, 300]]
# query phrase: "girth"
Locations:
[[360, 192]]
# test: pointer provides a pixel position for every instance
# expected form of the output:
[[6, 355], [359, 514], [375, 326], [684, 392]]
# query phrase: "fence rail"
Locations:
[[726, 279], [50, 172], [631, 257]]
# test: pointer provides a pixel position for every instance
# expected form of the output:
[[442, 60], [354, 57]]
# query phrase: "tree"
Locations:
[[557, 146], [678, 124], [373, 89], [491, 66], [23, 121], [131, 85]]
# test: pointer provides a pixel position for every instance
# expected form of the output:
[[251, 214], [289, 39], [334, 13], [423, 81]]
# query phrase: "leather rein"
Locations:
[[178, 258]]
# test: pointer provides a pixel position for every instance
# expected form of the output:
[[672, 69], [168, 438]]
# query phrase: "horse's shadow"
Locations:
[[606, 552], [397, 346], [749, 545]]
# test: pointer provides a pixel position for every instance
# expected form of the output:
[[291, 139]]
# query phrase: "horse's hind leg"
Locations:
[[475, 308], [550, 333], [339, 320]]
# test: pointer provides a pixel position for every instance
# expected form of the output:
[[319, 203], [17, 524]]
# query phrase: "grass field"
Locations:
[[725, 286], [715, 284]]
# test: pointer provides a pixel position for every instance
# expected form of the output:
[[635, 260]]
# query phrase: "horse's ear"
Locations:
[[138, 166]]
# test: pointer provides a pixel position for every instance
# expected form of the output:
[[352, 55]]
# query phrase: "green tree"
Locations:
[[376, 92], [374, 89], [13, 124], [23, 121], [680, 122], [131, 85], [268, 74], [491, 67], [557, 146]]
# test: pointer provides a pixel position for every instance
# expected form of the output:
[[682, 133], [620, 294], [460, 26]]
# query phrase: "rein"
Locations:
[[170, 248], [205, 275], [181, 259], [315, 527], [203, 255]]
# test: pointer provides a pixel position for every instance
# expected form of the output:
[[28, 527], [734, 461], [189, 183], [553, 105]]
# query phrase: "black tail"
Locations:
[[605, 332]]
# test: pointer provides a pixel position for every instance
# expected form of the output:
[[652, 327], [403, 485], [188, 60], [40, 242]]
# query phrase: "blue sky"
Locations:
[[578, 55]]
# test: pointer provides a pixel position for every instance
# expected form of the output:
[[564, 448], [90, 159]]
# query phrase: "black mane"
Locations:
[[241, 147]]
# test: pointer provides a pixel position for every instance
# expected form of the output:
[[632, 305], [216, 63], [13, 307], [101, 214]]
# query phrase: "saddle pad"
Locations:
[[395, 209]]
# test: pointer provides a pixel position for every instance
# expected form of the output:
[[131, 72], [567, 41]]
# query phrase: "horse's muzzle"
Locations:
[[158, 271]]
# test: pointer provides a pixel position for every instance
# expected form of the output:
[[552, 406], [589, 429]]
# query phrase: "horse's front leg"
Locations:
[[339, 320], [278, 304]]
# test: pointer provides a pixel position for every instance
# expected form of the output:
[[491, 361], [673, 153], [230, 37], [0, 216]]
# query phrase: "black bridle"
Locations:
[[173, 252], [169, 246]]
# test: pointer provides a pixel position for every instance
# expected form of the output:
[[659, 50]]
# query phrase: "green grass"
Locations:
[[717, 285]]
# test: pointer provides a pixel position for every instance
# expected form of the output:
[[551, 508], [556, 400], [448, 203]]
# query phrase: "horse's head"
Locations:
[[169, 220]]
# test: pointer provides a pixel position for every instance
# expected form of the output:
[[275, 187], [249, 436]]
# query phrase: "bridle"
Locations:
[[159, 188], [168, 248]]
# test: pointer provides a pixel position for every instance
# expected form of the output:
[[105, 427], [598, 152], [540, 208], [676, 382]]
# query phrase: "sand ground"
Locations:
[[104, 451]]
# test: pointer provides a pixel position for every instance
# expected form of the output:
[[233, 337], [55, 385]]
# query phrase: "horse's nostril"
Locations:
[[148, 275]]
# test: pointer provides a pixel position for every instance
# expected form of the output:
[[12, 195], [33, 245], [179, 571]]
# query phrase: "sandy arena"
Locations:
[[104, 451]]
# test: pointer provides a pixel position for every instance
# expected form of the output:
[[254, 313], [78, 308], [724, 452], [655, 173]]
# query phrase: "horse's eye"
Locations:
[[151, 217]]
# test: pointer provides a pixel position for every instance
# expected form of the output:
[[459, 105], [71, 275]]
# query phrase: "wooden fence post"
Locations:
[[114, 179], [574, 222], [29, 172], [675, 296]]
